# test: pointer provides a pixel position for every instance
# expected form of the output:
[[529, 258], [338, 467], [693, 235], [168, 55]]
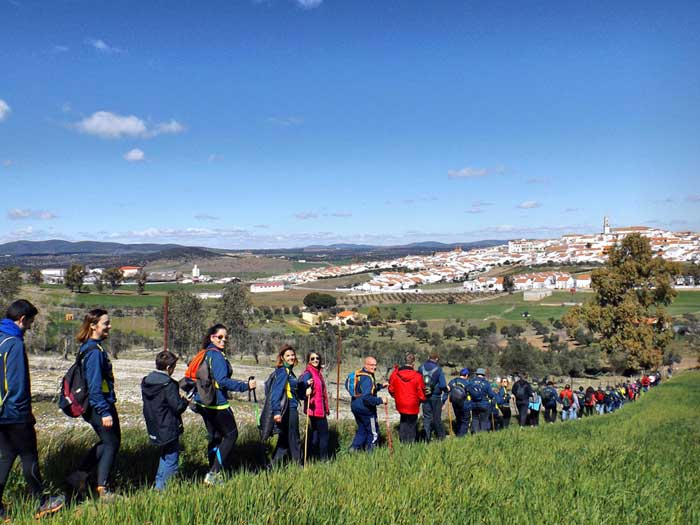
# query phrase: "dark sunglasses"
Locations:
[[314, 359], [219, 337]]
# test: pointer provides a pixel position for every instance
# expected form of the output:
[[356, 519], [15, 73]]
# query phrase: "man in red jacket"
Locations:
[[408, 390]]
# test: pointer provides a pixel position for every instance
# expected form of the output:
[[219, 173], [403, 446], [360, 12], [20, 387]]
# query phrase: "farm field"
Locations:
[[633, 466]]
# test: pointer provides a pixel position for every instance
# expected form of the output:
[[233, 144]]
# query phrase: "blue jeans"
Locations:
[[367, 435], [168, 465], [569, 413]]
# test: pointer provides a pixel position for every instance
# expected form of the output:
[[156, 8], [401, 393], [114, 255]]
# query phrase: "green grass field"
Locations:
[[638, 465]]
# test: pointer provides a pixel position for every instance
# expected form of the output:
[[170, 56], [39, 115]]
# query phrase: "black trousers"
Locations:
[[534, 418], [288, 440], [223, 433], [104, 452], [505, 411], [432, 418], [319, 435], [20, 440], [522, 414], [408, 428], [550, 414]]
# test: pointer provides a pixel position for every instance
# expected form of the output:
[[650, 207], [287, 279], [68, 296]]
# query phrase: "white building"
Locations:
[[53, 275], [272, 286]]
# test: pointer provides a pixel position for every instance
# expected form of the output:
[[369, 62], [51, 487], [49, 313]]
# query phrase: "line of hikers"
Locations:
[[88, 392]]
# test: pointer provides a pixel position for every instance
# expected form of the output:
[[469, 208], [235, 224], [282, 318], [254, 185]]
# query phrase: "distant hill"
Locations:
[[60, 247], [44, 254]]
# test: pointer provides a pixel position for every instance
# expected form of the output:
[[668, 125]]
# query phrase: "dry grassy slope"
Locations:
[[223, 264]]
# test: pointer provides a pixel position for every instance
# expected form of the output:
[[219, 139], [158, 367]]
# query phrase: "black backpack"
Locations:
[[549, 397], [267, 423], [73, 394], [520, 392], [458, 394]]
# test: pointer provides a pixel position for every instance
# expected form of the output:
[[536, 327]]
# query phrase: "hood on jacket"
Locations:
[[406, 374], [154, 383]]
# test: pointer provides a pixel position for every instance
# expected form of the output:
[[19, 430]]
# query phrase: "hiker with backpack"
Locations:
[[435, 385], [480, 393], [600, 400], [581, 398], [503, 401], [162, 409], [589, 401], [363, 389], [100, 411], [17, 432], [284, 401], [568, 407], [534, 407], [522, 390], [213, 383], [550, 398], [408, 390], [461, 402], [316, 405]]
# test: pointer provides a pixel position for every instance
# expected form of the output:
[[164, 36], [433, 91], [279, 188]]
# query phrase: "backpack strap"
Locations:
[[5, 385]]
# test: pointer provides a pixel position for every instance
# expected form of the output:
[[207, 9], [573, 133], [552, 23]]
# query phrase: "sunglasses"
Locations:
[[220, 337], [314, 359]]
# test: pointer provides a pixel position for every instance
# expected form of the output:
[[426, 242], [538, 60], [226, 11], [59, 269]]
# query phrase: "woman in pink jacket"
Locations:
[[316, 403]]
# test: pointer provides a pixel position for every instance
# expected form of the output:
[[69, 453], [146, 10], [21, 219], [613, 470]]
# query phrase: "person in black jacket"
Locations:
[[162, 410], [522, 392]]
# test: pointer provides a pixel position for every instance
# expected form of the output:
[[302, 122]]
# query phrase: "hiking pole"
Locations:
[[256, 413], [449, 416], [388, 430], [306, 433]]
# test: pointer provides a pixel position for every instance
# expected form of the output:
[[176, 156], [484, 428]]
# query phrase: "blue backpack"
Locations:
[[476, 390], [353, 379]]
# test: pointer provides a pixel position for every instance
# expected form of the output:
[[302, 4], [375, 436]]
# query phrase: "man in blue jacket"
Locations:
[[480, 392], [461, 403], [364, 407], [17, 434], [435, 386]]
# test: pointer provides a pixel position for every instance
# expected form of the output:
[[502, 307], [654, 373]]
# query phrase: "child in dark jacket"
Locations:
[[162, 408]]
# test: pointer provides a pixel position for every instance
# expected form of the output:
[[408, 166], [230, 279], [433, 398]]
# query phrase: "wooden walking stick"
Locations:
[[306, 433], [449, 416], [388, 429]]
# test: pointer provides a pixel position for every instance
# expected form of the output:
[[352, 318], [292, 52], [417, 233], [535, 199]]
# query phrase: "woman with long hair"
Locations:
[[217, 415], [316, 404], [284, 397], [101, 411], [504, 401]]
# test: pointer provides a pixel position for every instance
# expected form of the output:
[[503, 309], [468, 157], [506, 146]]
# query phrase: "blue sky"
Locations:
[[250, 124]]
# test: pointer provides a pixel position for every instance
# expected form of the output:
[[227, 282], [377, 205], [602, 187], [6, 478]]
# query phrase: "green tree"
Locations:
[[99, 281], [141, 278], [10, 281], [114, 277], [319, 300], [234, 307], [627, 311], [374, 315], [186, 318], [74, 277], [35, 277], [508, 283]]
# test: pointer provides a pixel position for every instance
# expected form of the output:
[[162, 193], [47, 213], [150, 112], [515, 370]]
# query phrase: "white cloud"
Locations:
[[529, 205], [342, 214], [309, 4], [18, 214], [8, 163], [571, 210], [305, 215], [108, 125], [206, 217], [103, 47], [59, 49], [214, 158], [171, 127], [537, 180], [481, 204], [4, 110], [468, 173], [66, 108], [475, 209], [286, 121], [134, 155]]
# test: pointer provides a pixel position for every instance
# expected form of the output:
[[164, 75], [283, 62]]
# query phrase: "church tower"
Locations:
[[606, 226]]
